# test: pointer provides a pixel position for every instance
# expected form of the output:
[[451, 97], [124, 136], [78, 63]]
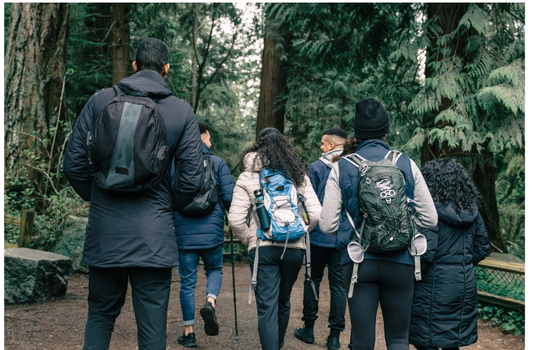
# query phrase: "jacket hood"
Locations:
[[447, 213], [249, 162], [146, 81], [326, 157]]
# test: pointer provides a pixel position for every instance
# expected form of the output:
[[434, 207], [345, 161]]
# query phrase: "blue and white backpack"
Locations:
[[289, 218], [284, 206]]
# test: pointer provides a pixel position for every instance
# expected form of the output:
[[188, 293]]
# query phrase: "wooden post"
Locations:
[[26, 228]]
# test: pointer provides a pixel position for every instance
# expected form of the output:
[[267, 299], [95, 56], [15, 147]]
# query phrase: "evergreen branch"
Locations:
[[520, 19], [221, 63], [94, 15], [104, 67]]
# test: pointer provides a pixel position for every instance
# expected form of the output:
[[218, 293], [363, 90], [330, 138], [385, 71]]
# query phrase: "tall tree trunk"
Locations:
[[484, 176], [121, 41], [194, 65], [271, 110], [34, 74], [100, 26], [484, 172]]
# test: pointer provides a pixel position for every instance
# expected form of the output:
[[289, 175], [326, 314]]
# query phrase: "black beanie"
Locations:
[[267, 131], [371, 119]]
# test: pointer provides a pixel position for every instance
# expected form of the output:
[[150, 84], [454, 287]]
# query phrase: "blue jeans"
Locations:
[[188, 270]]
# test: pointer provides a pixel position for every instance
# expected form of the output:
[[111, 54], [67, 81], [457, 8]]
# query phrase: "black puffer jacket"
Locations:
[[135, 229], [444, 313]]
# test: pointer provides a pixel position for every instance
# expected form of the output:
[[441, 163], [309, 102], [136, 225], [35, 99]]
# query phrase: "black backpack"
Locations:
[[205, 201], [127, 149]]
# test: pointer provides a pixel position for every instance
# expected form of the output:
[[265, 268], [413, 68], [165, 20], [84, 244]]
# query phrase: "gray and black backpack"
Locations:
[[127, 148]]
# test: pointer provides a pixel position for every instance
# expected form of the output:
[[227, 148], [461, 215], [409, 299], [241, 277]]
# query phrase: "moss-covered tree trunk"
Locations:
[[121, 42], [35, 63], [271, 110]]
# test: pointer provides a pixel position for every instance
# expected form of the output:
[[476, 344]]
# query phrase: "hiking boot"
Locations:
[[210, 319], [305, 334], [188, 340], [333, 343]]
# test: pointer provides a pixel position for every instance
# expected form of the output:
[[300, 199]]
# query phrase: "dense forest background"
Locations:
[[452, 77]]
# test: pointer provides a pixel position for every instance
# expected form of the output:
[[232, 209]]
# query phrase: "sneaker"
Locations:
[[305, 334], [210, 319], [333, 343], [188, 340]]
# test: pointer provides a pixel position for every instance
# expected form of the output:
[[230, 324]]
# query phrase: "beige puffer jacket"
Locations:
[[243, 193]]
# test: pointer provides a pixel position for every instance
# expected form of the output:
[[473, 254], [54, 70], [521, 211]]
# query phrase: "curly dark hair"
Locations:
[[448, 181], [276, 152]]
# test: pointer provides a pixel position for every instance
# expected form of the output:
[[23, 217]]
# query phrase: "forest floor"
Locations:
[[59, 324]]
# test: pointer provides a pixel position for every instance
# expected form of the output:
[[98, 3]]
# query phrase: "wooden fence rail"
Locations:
[[505, 266], [25, 223]]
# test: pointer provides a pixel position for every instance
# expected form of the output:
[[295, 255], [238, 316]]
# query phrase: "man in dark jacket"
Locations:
[[130, 235], [203, 237], [323, 252]]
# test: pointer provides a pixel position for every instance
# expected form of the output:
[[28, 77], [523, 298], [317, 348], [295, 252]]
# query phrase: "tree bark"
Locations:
[[271, 109], [121, 42], [194, 64], [484, 175], [34, 74], [100, 26]]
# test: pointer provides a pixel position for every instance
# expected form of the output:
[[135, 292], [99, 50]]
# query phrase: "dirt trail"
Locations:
[[59, 324]]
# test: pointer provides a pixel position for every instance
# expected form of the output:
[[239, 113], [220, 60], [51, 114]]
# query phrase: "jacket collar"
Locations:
[[205, 148], [373, 143], [146, 81], [326, 157], [152, 75]]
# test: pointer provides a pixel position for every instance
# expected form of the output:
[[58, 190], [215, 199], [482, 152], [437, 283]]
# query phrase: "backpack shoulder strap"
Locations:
[[393, 156], [117, 90], [355, 159]]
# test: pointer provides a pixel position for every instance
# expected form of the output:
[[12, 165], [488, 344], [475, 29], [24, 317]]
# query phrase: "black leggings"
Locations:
[[391, 285], [433, 348]]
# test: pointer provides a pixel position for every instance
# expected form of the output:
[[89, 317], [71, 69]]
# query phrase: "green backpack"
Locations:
[[387, 222], [387, 225]]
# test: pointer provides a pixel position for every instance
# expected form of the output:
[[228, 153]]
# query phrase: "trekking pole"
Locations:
[[233, 277]]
